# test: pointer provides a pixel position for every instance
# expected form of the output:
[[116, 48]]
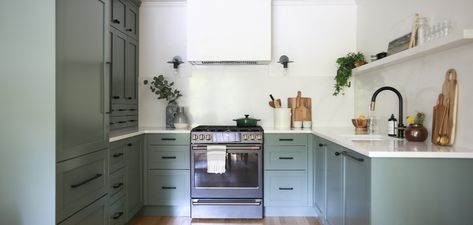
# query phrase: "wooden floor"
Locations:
[[188, 221]]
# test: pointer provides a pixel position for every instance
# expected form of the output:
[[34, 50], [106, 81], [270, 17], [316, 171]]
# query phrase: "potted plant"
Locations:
[[164, 90], [416, 130], [345, 65]]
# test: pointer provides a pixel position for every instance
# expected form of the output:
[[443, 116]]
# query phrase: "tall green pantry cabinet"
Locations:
[[82, 104]]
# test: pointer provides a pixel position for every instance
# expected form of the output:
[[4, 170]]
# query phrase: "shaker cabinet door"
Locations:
[[319, 192], [131, 73], [334, 187], [82, 96], [132, 21], [118, 15], [134, 157], [357, 188], [119, 61]]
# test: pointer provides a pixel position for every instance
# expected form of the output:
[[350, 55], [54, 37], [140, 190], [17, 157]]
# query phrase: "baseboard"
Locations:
[[289, 211], [166, 211]]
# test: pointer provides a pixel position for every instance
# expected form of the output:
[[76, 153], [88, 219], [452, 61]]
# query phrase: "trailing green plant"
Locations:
[[345, 65], [163, 88]]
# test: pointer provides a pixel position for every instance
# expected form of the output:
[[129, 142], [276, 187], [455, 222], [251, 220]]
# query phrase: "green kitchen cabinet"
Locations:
[[134, 176], [357, 190], [131, 73], [93, 214], [117, 213], [118, 15], [82, 82], [167, 180], [334, 186], [319, 175], [285, 188], [132, 20], [119, 61]]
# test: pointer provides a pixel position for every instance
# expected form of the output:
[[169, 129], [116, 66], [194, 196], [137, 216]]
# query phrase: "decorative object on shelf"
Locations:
[[445, 111], [416, 130], [400, 44], [180, 119], [176, 61], [163, 89], [415, 25], [361, 124], [423, 27], [381, 55], [284, 60], [301, 108], [345, 65]]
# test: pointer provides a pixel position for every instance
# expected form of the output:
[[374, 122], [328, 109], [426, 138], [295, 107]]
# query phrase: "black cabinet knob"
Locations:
[[322, 145], [116, 21], [130, 144], [337, 153], [116, 97], [129, 98], [129, 29]]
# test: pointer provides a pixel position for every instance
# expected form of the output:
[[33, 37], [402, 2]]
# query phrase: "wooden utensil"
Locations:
[[453, 89]]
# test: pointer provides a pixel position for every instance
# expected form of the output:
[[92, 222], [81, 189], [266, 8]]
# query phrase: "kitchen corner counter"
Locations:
[[123, 134], [390, 147]]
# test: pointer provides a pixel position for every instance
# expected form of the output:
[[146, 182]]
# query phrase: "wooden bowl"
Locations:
[[361, 125]]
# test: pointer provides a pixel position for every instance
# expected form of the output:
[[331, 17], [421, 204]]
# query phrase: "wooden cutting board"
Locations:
[[301, 108], [444, 117]]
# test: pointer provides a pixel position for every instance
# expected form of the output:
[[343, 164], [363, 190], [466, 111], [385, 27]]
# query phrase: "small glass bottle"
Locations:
[[422, 31]]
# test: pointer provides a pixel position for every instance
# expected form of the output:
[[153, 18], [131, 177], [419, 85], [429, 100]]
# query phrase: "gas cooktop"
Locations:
[[226, 129]]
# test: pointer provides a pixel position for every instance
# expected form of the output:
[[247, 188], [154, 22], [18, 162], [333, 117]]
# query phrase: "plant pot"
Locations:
[[359, 63], [171, 110], [416, 132]]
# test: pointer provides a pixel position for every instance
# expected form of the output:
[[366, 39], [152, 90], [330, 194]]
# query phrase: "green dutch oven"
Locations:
[[246, 122]]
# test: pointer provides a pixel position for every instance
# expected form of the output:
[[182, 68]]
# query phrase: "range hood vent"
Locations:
[[229, 62], [229, 32]]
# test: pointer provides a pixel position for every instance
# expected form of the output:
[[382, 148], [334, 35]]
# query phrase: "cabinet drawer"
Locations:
[[117, 122], [285, 188], [169, 139], [117, 212], [168, 187], [168, 157], [93, 214], [285, 158], [117, 184], [80, 181], [117, 158], [285, 139], [124, 110]]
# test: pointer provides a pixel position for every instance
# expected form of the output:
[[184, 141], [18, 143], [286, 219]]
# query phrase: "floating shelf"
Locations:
[[449, 42]]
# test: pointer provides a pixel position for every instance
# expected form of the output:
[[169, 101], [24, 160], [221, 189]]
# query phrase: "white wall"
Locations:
[[311, 33], [27, 99], [419, 80]]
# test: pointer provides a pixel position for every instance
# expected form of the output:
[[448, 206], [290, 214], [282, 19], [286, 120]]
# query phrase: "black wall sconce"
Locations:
[[284, 60], [176, 61]]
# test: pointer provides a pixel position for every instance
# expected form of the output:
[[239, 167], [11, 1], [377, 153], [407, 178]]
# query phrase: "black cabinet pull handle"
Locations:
[[132, 110], [129, 29], [168, 157], [117, 215], [116, 97], [286, 189], [353, 157], [116, 21], [286, 139], [131, 121], [115, 186], [322, 145], [129, 98], [121, 121], [168, 139], [337, 153], [86, 181], [168, 188], [286, 157], [121, 110], [111, 123], [130, 144], [117, 155]]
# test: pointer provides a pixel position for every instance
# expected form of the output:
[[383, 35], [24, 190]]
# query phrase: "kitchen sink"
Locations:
[[364, 137]]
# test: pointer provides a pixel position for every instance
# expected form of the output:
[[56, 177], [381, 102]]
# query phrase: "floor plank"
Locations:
[[165, 220]]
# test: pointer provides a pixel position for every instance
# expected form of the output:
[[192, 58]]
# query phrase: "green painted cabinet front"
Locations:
[[319, 190], [81, 80], [286, 158], [285, 188], [132, 23], [169, 187], [117, 214], [334, 186], [134, 176], [119, 61], [118, 14], [357, 188], [131, 73], [94, 214]]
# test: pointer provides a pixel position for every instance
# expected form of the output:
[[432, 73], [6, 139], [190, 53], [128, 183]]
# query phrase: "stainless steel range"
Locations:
[[238, 191]]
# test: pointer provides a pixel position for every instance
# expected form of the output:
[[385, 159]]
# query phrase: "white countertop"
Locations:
[[386, 148]]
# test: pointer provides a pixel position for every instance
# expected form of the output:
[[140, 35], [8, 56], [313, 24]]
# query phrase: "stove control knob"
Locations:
[[252, 137], [208, 137], [194, 137], [201, 137], [259, 136], [245, 137]]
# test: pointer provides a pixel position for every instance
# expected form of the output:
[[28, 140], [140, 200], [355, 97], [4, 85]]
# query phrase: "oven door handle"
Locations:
[[196, 202], [229, 148]]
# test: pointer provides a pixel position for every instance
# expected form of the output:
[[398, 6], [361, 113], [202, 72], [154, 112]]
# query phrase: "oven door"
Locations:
[[243, 177]]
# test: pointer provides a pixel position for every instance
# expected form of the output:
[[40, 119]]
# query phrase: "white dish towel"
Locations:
[[216, 158]]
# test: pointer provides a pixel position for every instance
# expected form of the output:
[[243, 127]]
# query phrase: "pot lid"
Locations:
[[247, 117]]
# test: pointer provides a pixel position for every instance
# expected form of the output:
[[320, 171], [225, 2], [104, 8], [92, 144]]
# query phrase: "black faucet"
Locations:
[[400, 126]]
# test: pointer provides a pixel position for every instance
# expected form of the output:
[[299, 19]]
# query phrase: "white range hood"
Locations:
[[229, 31]]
